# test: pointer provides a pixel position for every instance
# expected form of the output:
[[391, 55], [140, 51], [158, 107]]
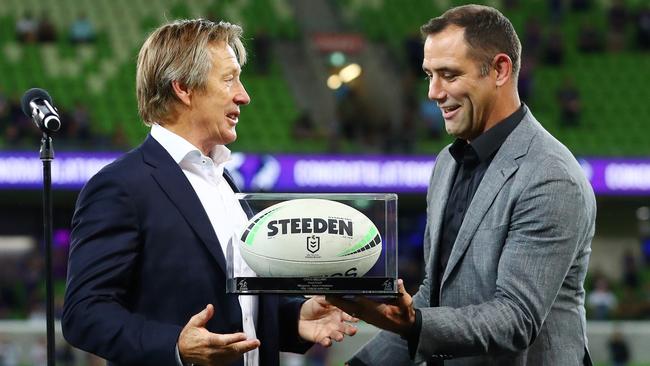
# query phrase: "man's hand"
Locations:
[[198, 346], [397, 317], [320, 322]]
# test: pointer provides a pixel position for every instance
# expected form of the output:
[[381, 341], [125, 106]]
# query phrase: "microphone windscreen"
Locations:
[[31, 94]]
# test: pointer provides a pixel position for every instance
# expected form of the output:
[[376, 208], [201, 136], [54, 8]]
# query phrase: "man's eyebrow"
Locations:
[[446, 69], [440, 69], [231, 70]]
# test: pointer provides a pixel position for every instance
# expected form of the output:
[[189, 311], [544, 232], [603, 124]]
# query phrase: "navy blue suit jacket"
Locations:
[[144, 259]]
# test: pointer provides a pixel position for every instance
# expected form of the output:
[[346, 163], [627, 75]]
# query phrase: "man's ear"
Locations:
[[183, 93], [503, 66]]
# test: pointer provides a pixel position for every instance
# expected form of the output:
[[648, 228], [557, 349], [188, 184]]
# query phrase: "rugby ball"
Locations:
[[310, 237]]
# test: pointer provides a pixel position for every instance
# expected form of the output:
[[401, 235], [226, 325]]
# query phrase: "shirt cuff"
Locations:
[[355, 362], [413, 338], [179, 362]]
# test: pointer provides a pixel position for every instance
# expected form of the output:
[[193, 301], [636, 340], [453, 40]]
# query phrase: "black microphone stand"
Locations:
[[47, 155]]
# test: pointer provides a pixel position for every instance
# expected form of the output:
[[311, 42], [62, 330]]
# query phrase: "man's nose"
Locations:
[[436, 92], [242, 97]]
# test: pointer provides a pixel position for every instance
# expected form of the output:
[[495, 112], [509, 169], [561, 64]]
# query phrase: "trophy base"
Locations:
[[373, 286]]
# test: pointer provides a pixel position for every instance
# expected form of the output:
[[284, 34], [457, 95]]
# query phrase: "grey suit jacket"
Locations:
[[512, 292]]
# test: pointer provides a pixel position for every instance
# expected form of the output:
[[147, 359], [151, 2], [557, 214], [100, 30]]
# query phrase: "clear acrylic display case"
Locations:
[[380, 279]]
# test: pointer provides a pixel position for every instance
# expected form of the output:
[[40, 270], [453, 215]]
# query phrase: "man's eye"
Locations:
[[427, 77], [448, 76]]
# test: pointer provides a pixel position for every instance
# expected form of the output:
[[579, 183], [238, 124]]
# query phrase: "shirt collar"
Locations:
[[486, 144], [179, 148]]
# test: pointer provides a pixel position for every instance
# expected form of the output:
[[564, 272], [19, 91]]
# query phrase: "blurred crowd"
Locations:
[[78, 129], [359, 121], [625, 298], [544, 42], [30, 29], [20, 133], [22, 297]]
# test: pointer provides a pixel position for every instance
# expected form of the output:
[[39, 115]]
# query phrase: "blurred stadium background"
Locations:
[[338, 104]]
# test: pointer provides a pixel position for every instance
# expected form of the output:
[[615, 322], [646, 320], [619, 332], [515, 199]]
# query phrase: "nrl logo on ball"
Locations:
[[313, 245]]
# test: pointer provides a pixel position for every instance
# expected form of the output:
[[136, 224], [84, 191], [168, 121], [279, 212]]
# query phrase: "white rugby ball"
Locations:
[[310, 237]]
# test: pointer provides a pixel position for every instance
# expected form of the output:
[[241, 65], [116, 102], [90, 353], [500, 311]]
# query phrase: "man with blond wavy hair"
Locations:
[[147, 271]]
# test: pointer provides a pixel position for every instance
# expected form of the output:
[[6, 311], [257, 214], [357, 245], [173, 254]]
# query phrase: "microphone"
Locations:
[[37, 104]]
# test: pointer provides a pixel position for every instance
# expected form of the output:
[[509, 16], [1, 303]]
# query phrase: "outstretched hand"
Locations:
[[397, 317], [320, 322], [199, 346]]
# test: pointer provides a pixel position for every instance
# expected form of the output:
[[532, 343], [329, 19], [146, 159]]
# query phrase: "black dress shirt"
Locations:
[[473, 160]]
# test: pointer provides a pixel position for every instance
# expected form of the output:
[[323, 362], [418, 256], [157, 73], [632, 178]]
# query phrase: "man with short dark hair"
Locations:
[[510, 220]]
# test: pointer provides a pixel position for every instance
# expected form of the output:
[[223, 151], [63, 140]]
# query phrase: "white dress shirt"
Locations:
[[226, 215]]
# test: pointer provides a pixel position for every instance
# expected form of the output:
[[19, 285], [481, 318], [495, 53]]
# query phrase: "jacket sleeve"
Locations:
[[289, 315], [552, 220], [103, 260], [387, 348], [394, 349]]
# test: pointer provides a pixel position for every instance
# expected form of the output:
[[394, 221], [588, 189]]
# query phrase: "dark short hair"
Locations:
[[487, 32]]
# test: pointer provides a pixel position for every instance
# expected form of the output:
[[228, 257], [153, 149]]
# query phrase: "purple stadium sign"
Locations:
[[313, 173]]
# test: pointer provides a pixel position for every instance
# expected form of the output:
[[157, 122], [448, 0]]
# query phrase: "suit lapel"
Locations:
[[439, 189], [171, 179], [502, 167], [492, 182]]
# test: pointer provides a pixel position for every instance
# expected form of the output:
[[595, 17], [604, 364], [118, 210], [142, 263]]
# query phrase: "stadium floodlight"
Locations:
[[337, 58], [334, 82], [350, 72]]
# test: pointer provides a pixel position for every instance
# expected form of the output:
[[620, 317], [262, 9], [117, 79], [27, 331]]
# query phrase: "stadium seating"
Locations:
[[613, 87], [102, 75]]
